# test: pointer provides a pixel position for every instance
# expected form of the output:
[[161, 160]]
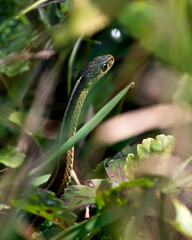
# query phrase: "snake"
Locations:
[[86, 79]]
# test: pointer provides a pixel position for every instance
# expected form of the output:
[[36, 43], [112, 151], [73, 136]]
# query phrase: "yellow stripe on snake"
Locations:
[[86, 79]]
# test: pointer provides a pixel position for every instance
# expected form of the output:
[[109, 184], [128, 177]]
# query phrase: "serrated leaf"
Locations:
[[129, 168], [161, 144]]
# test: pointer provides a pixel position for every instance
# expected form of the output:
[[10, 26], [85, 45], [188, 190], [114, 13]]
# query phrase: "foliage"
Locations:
[[139, 188], [11, 157], [44, 204], [162, 145]]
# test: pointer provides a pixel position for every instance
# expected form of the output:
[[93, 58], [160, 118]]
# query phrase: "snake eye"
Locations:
[[104, 67]]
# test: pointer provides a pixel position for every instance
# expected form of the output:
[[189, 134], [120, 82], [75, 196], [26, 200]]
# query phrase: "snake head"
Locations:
[[97, 68], [105, 62]]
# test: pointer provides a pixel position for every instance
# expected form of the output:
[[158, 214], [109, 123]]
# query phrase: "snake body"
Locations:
[[86, 79]]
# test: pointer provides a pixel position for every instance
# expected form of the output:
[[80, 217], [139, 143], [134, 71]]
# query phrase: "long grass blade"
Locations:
[[70, 64], [85, 130]]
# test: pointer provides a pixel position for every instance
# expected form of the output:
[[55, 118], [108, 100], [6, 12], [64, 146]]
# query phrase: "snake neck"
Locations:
[[70, 125], [60, 176]]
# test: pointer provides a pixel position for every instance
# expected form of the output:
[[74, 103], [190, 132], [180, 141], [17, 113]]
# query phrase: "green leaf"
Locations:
[[11, 157], [115, 169], [161, 144], [183, 219], [129, 168], [79, 196], [18, 118], [126, 192], [46, 205], [86, 129], [14, 37], [40, 180], [99, 171], [13, 69], [43, 16], [162, 28], [130, 149]]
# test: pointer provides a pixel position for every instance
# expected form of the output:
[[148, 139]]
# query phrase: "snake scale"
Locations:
[[86, 79]]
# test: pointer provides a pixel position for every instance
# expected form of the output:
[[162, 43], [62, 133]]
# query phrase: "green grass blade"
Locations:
[[31, 7], [70, 65], [86, 129], [94, 223]]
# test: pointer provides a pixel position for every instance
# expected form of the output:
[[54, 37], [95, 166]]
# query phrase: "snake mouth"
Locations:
[[111, 61]]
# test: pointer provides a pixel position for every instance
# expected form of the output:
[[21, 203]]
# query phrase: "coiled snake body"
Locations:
[[86, 79]]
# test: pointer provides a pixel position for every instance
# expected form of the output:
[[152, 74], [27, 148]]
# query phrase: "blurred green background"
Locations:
[[43, 47]]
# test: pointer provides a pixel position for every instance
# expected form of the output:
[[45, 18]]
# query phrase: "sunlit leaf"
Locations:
[[129, 168], [18, 118], [79, 196], [183, 219], [161, 144]]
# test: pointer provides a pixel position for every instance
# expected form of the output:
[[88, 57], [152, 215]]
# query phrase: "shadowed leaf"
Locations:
[[115, 169], [44, 204]]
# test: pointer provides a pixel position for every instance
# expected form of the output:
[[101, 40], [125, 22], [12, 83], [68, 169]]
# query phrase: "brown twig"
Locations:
[[25, 55]]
